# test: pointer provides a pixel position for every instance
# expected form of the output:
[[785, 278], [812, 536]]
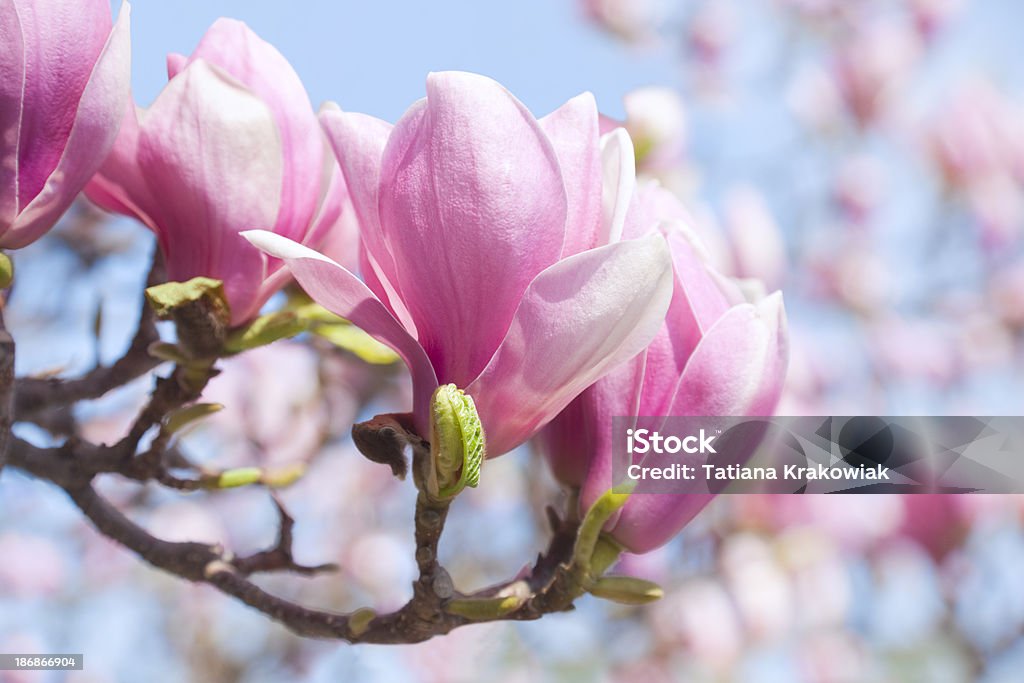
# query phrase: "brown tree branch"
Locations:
[[549, 584], [6, 387]]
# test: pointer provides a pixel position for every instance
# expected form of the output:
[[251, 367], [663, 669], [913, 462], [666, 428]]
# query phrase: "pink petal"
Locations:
[[740, 364], [210, 150], [334, 231], [175, 63], [572, 129], [118, 185], [697, 303], [12, 85], [473, 207], [62, 42], [737, 369], [578, 441], [96, 121], [235, 48], [578, 320], [651, 205], [651, 520], [358, 141], [341, 292]]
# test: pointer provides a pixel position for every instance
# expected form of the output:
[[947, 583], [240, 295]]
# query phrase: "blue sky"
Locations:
[[374, 56]]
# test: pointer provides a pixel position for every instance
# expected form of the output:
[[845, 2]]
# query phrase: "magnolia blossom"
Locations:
[[491, 250], [64, 79], [231, 144], [631, 20], [873, 65], [715, 354]]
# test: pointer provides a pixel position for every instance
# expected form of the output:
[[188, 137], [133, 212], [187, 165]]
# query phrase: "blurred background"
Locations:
[[864, 156]]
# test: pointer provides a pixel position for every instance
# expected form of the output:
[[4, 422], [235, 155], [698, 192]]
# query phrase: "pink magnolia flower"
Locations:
[[64, 79], [231, 144], [715, 354], [873, 65], [974, 135], [491, 250], [635, 21]]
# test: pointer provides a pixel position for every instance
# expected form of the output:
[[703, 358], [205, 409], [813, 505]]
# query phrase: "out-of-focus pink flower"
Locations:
[[930, 16], [231, 144], [274, 413], [914, 348], [873, 65], [710, 30], [974, 135], [997, 203], [715, 354], [858, 187], [934, 521], [814, 98], [1006, 291], [852, 273], [33, 566], [701, 616], [64, 83], [656, 121], [758, 249], [492, 250], [635, 21], [818, 11]]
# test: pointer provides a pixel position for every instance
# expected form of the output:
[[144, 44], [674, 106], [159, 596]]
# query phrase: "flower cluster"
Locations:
[[514, 257]]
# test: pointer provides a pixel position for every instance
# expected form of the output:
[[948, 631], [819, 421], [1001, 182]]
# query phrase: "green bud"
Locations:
[[264, 330], [606, 553], [200, 311], [183, 417], [626, 590], [242, 476], [359, 621], [482, 609], [6, 271], [590, 529], [169, 296], [281, 477], [457, 448]]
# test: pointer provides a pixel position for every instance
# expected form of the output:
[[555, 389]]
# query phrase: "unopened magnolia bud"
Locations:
[[200, 311], [281, 477], [626, 590], [183, 417], [6, 271], [242, 476], [456, 442], [590, 529], [359, 621], [264, 330], [482, 609]]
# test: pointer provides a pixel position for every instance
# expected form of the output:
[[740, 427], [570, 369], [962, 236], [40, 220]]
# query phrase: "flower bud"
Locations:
[[456, 442]]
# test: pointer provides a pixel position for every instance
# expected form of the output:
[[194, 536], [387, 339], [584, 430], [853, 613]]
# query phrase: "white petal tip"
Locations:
[[281, 247]]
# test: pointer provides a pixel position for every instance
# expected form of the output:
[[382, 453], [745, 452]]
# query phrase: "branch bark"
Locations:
[[6, 388]]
